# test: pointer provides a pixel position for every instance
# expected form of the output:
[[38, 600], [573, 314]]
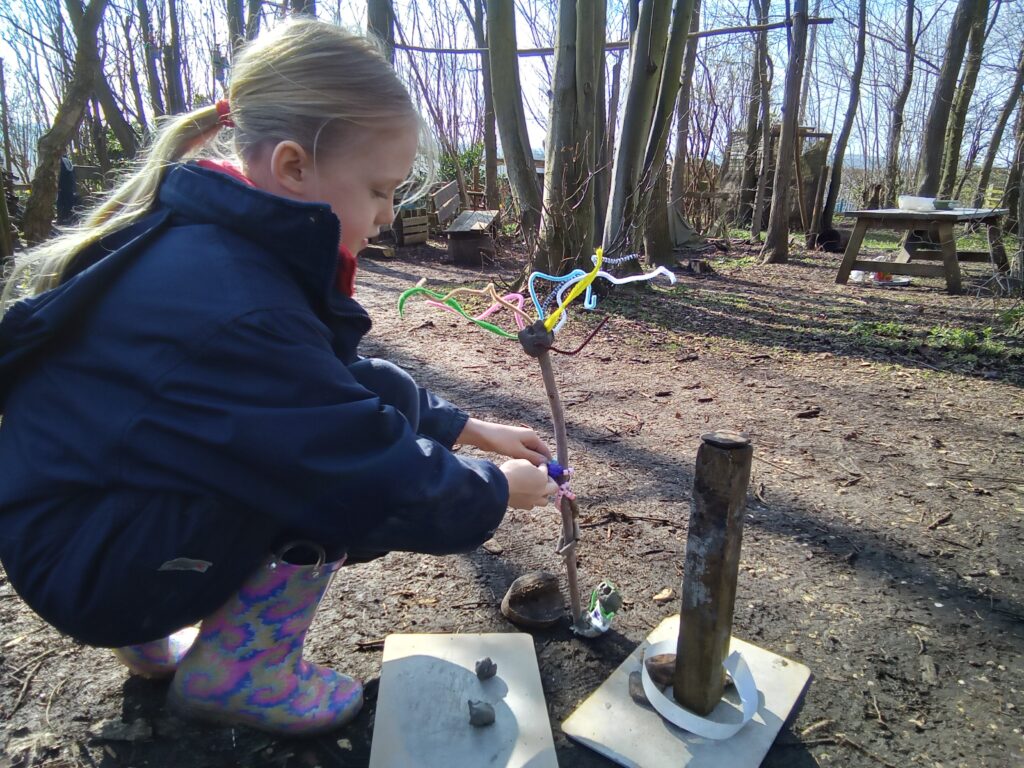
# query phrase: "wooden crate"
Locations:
[[412, 229]]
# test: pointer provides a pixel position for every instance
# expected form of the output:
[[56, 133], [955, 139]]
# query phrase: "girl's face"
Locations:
[[359, 180]]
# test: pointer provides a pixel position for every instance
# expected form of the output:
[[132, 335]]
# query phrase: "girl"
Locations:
[[182, 396]]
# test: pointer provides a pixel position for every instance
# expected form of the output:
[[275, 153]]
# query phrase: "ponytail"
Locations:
[[179, 137]]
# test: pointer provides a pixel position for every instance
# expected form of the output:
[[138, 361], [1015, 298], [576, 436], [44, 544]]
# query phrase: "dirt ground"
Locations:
[[882, 545]]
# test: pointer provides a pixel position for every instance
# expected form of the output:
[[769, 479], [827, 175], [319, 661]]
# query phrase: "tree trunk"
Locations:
[[892, 163], [6, 241], [380, 22], [647, 48], [776, 243], [606, 151], [809, 64], [1015, 179], [600, 141], [962, 101], [236, 24], [668, 90], [38, 218], [678, 184], [650, 99], [115, 118], [749, 178], [761, 193], [99, 139], [5, 121], [556, 244], [252, 21], [851, 112], [172, 64], [477, 20], [133, 77], [591, 20], [307, 7], [509, 114], [657, 238], [152, 54], [567, 219], [997, 133], [930, 164]]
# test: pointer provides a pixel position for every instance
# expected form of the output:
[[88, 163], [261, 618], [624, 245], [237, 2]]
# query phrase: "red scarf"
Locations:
[[346, 279]]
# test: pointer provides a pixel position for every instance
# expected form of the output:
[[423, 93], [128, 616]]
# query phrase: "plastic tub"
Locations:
[[911, 203]]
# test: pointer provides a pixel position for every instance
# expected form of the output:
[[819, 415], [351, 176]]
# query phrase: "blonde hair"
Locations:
[[305, 81]]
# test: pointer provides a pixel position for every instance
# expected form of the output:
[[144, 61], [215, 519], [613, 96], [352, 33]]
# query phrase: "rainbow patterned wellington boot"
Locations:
[[159, 658], [246, 666]]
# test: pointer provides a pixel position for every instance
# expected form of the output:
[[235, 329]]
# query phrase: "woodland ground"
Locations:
[[882, 545]]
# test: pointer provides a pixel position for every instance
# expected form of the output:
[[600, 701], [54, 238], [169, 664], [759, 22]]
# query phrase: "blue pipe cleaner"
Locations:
[[555, 471]]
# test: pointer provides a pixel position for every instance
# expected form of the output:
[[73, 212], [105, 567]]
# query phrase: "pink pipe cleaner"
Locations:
[[516, 298]]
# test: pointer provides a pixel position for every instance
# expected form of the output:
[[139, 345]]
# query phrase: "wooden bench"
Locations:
[[444, 204]]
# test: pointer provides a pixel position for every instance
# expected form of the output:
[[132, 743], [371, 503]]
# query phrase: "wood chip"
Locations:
[[665, 595], [636, 689], [493, 547], [929, 672]]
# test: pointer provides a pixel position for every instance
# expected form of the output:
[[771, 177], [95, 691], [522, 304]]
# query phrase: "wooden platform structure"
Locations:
[[470, 240], [738, 180], [928, 236]]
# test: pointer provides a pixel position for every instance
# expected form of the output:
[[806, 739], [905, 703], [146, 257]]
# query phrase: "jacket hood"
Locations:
[[304, 236]]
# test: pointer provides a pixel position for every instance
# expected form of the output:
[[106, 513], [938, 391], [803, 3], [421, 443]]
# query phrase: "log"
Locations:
[[711, 566]]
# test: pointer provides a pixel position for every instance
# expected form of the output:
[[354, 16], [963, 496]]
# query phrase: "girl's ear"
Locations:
[[291, 167]]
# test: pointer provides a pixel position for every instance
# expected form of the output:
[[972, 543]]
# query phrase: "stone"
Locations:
[[486, 669], [480, 714]]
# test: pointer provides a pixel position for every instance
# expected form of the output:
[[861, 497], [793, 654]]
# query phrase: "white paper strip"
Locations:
[[708, 727]]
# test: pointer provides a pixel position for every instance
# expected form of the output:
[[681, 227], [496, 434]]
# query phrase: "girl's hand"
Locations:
[[528, 486], [514, 442]]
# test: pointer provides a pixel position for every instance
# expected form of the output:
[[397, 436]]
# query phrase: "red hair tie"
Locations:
[[224, 113]]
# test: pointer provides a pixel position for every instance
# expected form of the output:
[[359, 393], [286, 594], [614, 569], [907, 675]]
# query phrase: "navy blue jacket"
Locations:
[[202, 354]]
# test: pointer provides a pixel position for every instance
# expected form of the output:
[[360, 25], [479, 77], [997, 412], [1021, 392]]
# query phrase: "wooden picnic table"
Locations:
[[928, 237]]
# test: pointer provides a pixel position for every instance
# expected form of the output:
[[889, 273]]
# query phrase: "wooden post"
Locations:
[[819, 199], [995, 244], [801, 203], [709, 574]]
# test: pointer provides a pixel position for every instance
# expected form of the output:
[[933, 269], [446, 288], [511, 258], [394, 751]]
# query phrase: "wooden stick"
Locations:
[[569, 529], [711, 568]]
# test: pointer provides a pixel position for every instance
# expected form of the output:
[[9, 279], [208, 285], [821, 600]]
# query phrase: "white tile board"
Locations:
[[636, 736], [422, 716]]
